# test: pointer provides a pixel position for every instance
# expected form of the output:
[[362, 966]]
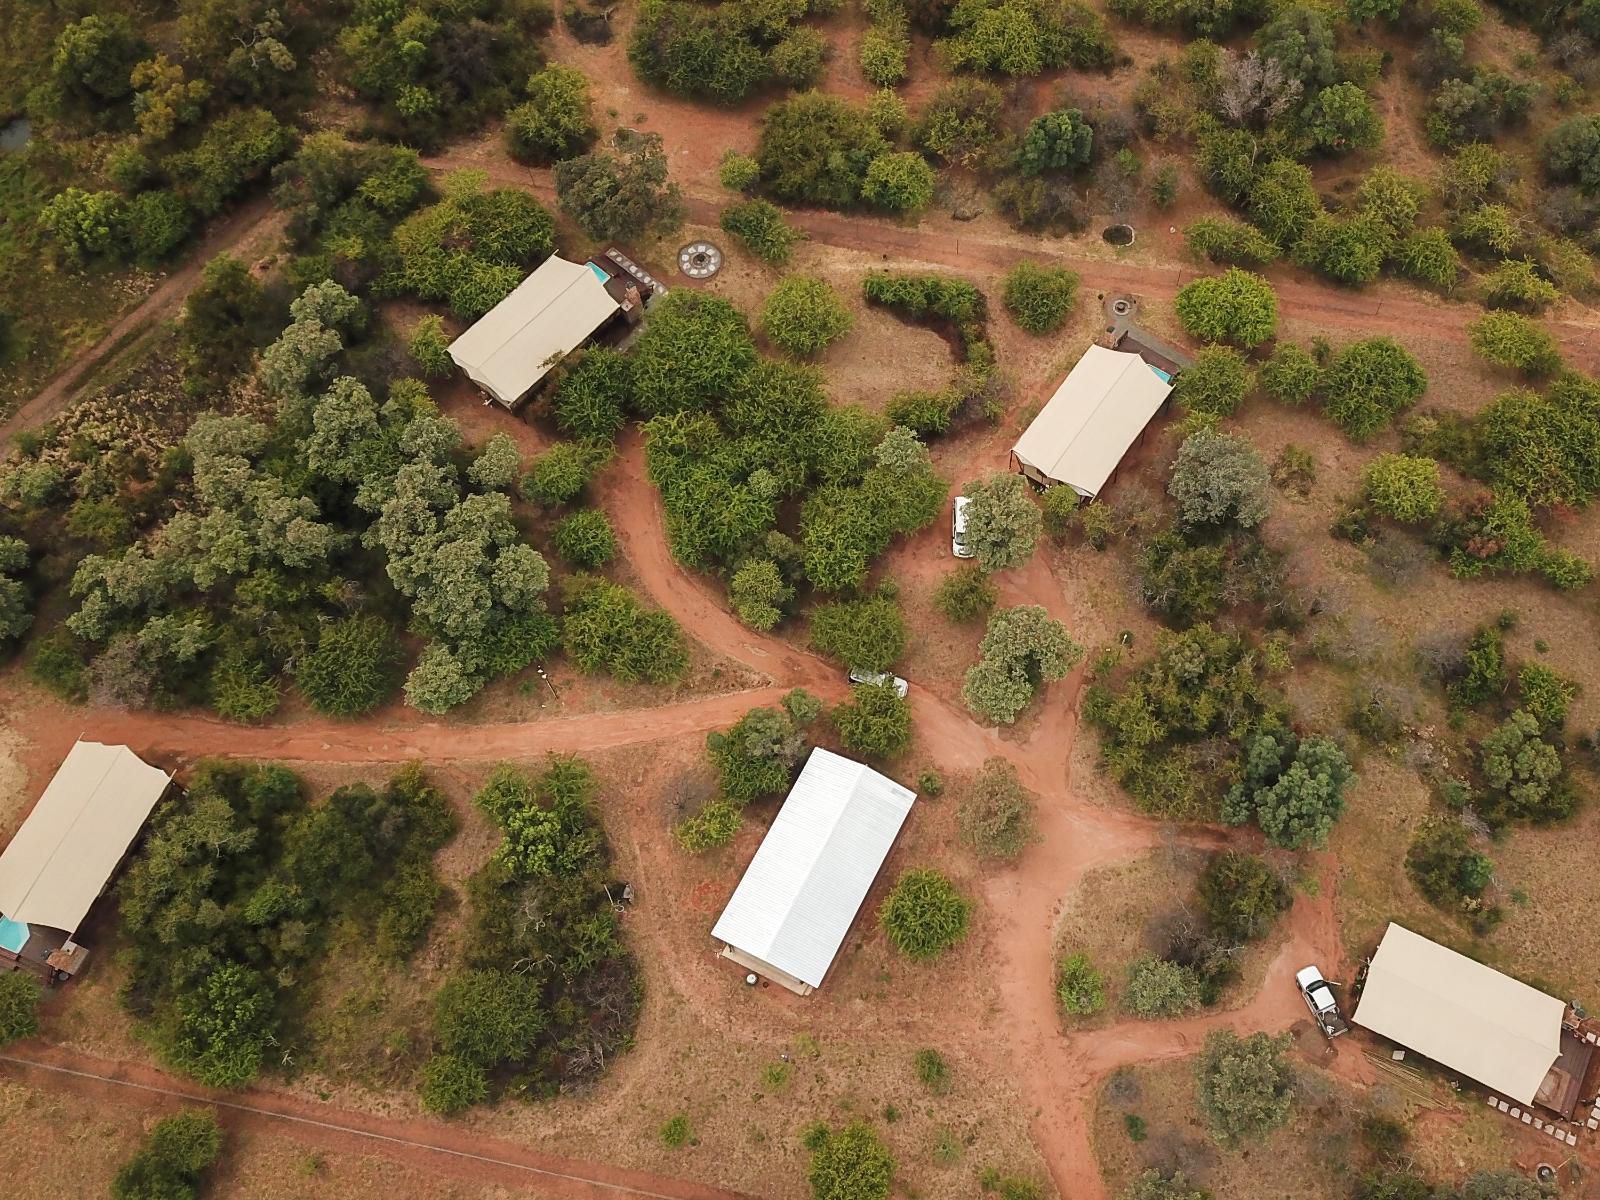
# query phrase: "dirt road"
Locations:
[[250, 225], [1359, 312], [430, 1145]]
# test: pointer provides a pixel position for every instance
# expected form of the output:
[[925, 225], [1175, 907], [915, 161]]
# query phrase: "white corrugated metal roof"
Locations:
[[1462, 1014], [1081, 434], [549, 314], [72, 841], [801, 892]]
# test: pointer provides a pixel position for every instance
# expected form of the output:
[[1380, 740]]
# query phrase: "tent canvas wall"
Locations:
[[800, 894], [1095, 416], [549, 314], [1463, 1015], [67, 850]]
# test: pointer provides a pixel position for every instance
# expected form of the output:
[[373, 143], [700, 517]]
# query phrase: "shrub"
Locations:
[[1235, 307], [1509, 339], [1153, 1185], [1445, 868], [1158, 988], [1024, 37], [864, 635], [94, 57], [607, 629], [1342, 118], [1283, 200], [1040, 299], [1022, 648], [1226, 241], [1291, 376], [738, 172], [676, 1132], [1404, 487], [1244, 1085], [20, 995], [1218, 478], [875, 721], [1542, 449], [899, 182], [1428, 257], [712, 827], [1057, 141], [622, 192], [1003, 522], [591, 394], [849, 1164], [925, 413], [1215, 384], [1572, 152], [1080, 990], [797, 60], [803, 315], [86, 224], [452, 1084], [881, 56], [429, 348], [354, 667], [759, 593], [1349, 250], [965, 593], [1368, 383], [963, 122], [173, 1160], [996, 813], [559, 475], [555, 123], [696, 351], [1518, 285], [1242, 895], [924, 915], [1523, 773], [933, 1071], [584, 539], [816, 149], [1391, 198], [702, 51], [886, 112]]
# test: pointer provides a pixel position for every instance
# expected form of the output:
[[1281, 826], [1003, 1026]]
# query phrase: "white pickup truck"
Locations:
[[1317, 992]]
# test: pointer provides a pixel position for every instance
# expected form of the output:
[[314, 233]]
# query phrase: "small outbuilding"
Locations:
[[798, 898], [1094, 418], [1473, 1020], [69, 847], [552, 312]]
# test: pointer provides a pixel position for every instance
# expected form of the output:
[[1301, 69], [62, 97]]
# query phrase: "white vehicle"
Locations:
[[1317, 992], [901, 687], [958, 530]]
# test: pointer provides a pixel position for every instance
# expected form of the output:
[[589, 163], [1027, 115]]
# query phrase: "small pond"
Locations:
[[1118, 235], [14, 134]]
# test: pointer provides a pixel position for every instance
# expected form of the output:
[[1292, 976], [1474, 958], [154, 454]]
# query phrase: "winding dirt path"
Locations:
[[249, 225], [431, 1145]]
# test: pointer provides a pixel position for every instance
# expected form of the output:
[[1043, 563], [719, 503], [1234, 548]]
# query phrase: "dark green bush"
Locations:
[[924, 915], [1040, 299]]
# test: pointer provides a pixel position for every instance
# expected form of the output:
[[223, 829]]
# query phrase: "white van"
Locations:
[[958, 530]]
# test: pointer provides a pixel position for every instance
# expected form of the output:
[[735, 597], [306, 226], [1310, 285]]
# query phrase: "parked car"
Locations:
[[1317, 992], [958, 529], [901, 687]]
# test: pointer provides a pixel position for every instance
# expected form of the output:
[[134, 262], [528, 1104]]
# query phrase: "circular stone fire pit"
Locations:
[[700, 260]]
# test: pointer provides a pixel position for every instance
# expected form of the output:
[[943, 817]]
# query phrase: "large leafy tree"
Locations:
[[1293, 788], [1245, 1085], [1235, 307], [850, 1164], [1022, 648], [1217, 478], [623, 192], [1003, 521]]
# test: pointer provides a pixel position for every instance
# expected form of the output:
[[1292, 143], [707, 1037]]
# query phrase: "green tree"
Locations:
[[94, 58], [1572, 152], [865, 635], [1245, 1086], [881, 55], [15, 619], [1058, 141], [1342, 118], [850, 1164], [623, 192], [1428, 257], [803, 315], [875, 721], [758, 755], [1080, 989], [561, 473], [1349, 250], [1228, 242], [452, 1084], [1022, 648], [429, 347], [1040, 298], [607, 629], [1517, 284], [591, 393], [901, 182], [694, 352], [555, 123], [1219, 478], [1404, 487], [172, 1162], [760, 593], [1215, 384], [1523, 772], [489, 1017], [1235, 307], [815, 149], [996, 812], [924, 915], [1368, 383], [1157, 988], [1283, 200], [1445, 868], [1293, 788], [1291, 376], [86, 224], [1003, 522]]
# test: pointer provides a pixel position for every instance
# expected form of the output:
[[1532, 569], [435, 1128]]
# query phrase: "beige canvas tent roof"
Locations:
[[549, 315], [1461, 1014], [72, 841], [799, 896], [1099, 411]]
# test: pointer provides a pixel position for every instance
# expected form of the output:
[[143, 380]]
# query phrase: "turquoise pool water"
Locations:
[[1165, 376], [599, 273], [13, 935]]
